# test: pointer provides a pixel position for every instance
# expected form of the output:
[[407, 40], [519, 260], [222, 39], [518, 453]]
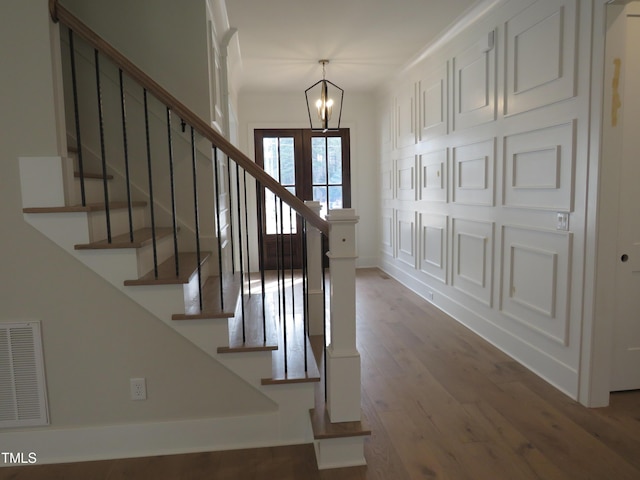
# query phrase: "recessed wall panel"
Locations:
[[386, 180], [406, 237], [539, 168], [405, 116], [475, 83], [473, 259], [386, 231], [541, 55], [406, 178], [536, 280], [432, 95], [432, 257], [434, 167], [473, 173]]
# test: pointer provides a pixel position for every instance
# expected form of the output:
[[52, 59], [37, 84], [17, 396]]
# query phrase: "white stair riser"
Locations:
[[119, 219], [206, 334], [93, 191], [164, 250], [252, 366], [295, 400], [191, 290]]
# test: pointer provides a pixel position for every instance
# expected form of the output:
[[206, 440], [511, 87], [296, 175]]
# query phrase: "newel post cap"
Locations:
[[342, 215]]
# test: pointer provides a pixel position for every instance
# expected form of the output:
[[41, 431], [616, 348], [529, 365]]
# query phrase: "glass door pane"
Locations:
[[279, 162], [326, 172]]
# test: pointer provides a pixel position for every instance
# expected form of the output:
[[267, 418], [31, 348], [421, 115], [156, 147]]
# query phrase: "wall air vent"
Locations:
[[23, 400]]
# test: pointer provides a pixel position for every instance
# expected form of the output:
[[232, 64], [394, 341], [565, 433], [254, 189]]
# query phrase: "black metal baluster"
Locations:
[[76, 109], [229, 196], [246, 229], [284, 293], [293, 296], [105, 185], [305, 290], [150, 175], [283, 290], [123, 110], [241, 261], [324, 328], [174, 223], [196, 214], [278, 258], [326, 173], [260, 208], [218, 230]]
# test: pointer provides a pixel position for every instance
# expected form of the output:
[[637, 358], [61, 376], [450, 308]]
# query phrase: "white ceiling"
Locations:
[[366, 41]]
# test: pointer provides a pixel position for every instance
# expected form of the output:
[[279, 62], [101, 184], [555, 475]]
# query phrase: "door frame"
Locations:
[[303, 181], [601, 216]]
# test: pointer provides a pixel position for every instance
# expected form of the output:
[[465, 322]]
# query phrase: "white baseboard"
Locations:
[[51, 445]]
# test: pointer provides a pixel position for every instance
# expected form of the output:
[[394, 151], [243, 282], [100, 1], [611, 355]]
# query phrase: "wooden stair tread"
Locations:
[[295, 364], [324, 428], [92, 176], [211, 307], [167, 271], [141, 238], [254, 337], [90, 207]]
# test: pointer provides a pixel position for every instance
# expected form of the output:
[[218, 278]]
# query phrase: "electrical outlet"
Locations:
[[138, 388]]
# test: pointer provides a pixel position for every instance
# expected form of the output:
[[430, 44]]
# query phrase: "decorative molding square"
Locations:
[[386, 180], [406, 237], [541, 56], [405, 116], [433, 242], [474, 173], [539, 168], [474, 84], [434, 178], [433, 103], [386, 231], [472, 272], [536, 280], [406, 178]]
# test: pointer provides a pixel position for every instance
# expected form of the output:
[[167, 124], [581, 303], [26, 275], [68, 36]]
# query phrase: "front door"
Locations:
[[312, 166]]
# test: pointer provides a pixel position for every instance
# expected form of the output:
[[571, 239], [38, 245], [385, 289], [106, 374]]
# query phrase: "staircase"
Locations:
[[86, 206]]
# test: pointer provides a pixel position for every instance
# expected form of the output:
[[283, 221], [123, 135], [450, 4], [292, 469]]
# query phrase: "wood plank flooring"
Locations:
[[441, 404]]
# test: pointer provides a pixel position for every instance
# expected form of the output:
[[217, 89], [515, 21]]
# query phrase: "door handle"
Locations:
[[624, 258]]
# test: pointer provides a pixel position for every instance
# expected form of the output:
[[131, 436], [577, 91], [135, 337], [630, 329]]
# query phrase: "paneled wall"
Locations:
[[483, 174]]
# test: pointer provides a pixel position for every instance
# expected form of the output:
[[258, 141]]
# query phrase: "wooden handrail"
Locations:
[[60, 14]]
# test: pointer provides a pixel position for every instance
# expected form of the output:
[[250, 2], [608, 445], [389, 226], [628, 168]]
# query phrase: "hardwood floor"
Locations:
[[442, 404]]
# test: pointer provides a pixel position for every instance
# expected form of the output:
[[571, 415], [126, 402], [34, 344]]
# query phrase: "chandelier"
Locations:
[[326, 94]]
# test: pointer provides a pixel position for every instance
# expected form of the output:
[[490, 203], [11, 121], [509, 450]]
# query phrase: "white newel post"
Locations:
[[314, 273], [343, 359]]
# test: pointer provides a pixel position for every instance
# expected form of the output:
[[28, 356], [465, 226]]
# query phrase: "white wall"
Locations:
[[483, 143], [153, 34], [95, 339], [288, 110]]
